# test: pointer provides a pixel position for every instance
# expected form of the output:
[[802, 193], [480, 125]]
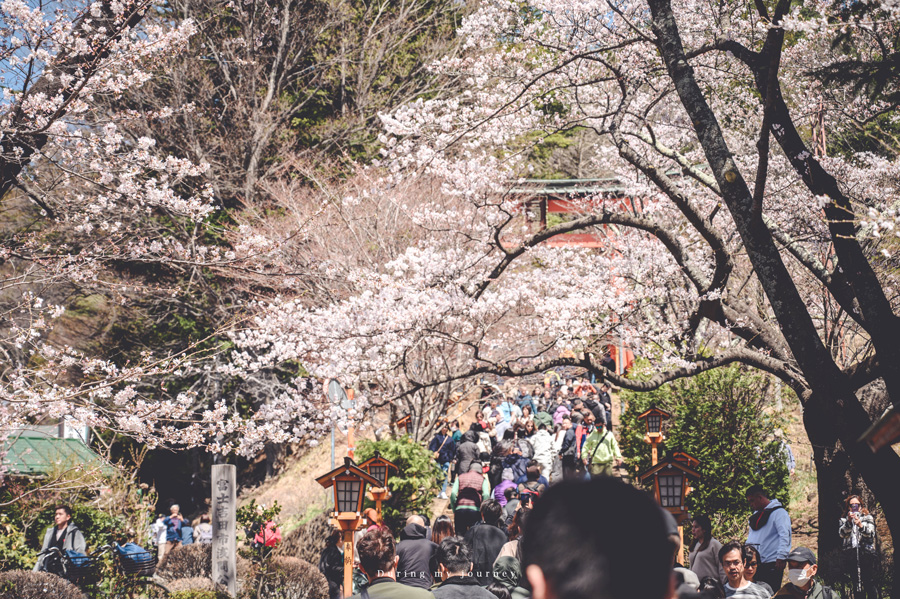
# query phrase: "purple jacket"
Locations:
[[558, 415], [499, 489]]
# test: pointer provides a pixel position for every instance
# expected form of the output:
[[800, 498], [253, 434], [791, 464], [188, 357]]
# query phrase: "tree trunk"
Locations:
[[824, 419], [832, 468]]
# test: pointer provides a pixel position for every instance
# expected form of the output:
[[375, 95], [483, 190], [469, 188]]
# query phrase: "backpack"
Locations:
[[136, 560], [529, 490]]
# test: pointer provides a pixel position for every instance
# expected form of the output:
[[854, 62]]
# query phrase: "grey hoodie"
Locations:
[[74, 542]]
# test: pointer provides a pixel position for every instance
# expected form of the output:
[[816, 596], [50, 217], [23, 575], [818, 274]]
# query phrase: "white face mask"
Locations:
[[799, 577]]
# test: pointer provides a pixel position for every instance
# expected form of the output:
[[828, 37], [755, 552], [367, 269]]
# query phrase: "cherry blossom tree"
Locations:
[[731, 236], [87, 203]]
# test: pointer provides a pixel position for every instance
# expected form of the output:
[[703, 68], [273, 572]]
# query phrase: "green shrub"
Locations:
[[416, 484], [97, 526], [308, 540], [15, 554], [193, 562], [718, 418], [195, 588], [24, 584], [282, 577]]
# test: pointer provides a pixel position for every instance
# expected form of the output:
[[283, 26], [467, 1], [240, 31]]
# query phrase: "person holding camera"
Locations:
[[857, 530]]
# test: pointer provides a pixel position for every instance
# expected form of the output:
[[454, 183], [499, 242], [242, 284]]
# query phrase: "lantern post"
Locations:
[[653, 420], [671, 484], [349, 484], [380, 469]]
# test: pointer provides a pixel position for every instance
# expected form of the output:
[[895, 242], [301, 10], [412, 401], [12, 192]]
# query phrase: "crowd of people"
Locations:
[[172, 531], [537, 513], [564, 430], [581, 539]]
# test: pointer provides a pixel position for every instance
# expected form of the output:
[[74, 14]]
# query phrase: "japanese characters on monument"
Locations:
[[224, 527]]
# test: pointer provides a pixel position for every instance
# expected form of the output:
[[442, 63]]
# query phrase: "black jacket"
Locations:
[[416, 552], [486, 542], [331, 564], [461, 587], [568, 444]]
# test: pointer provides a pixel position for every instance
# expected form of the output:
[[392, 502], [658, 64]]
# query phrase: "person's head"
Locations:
[[507, 571], [605, 387], [377, 554], [533, 470], [174, 509], [334, 538], [854, 505], [751, 561], [499, 591], [454, 557], [517, 527], [443, 528], [567, 422], [62, 515], [491, 512], [712, 588], [589, 419], [526, 411], [701, 531], [371, 515], [445, 429], [801, 567], [510, 493], [757, 498], [732, 561], [476, 467], [585, 539], [204, 518], [415, 519]]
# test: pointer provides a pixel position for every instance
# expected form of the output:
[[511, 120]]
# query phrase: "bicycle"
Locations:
[[137, 571]]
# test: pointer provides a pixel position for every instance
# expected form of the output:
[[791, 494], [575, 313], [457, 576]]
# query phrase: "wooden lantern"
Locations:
[[405, 422], [349, 484], [653, 419], [671, 480], [380, 469]]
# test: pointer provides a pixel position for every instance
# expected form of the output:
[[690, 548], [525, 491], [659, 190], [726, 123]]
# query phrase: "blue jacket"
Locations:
[[773, 540], [173, 529], [445, 446]]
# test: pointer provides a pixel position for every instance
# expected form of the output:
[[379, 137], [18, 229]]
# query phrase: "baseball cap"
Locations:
[[802, 554]]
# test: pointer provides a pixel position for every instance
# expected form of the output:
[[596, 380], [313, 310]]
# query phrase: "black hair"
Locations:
[[499, 591], [64, 508], [454, 554], [491, 512], [728, 548], [712, 588], [594, 539], [749, 552], [755, 490], [510, 493], [703, 521]]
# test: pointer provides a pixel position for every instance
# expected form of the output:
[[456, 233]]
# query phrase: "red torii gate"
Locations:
[[541, 197]]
